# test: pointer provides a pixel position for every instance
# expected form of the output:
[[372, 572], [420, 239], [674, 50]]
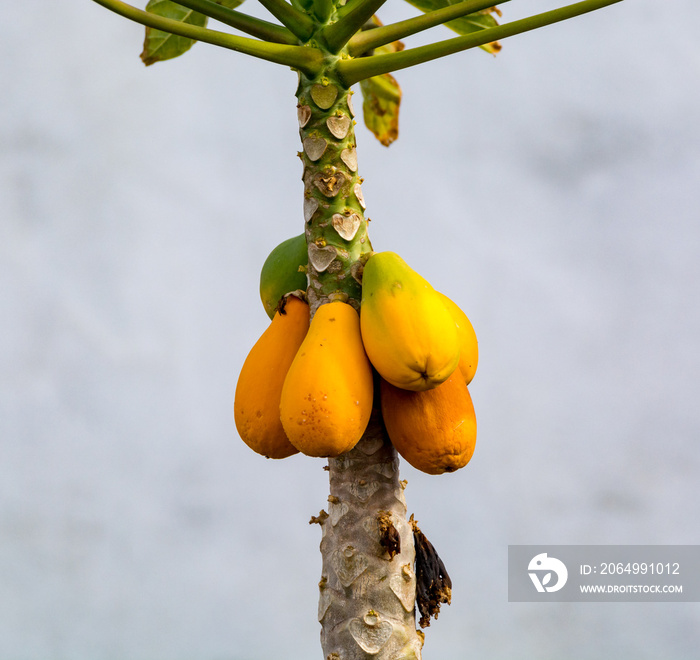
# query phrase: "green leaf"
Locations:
[[466, 24], [381, 98], [159, 46]]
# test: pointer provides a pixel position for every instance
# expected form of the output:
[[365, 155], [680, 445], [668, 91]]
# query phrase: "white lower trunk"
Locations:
[[368, 585]]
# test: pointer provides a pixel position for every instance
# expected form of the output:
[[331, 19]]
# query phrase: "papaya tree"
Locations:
[[363, 360]]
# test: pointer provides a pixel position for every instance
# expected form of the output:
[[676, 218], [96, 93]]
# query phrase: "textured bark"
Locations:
[[368, 585], [336, 228]]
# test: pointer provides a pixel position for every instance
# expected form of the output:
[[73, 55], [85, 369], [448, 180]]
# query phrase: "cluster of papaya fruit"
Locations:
[[308, 385]]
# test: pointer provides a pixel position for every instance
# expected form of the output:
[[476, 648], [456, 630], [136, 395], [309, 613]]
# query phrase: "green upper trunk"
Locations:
[[336, 228]]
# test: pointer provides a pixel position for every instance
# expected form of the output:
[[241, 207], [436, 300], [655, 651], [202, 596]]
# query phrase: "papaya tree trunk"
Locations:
[[336, 228], [368, 585]]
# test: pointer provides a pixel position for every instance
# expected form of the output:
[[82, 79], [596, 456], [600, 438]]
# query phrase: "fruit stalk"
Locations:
[[368, 584]]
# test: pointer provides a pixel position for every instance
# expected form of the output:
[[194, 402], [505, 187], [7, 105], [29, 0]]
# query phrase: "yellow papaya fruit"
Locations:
[[259, 389], [434, 430], [327, 394], [408, 334], [469, 348], [281, 272]]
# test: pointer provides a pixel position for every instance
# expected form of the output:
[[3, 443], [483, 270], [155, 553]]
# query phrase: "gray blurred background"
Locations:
[[551, 191]]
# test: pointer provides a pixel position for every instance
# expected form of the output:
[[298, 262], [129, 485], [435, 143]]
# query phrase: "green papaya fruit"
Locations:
[[281, 272]]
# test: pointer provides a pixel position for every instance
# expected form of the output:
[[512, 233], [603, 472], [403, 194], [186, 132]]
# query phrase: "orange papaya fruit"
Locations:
[[469, 347], [327, 394], [409, 335], [259, 389], [434, 430]]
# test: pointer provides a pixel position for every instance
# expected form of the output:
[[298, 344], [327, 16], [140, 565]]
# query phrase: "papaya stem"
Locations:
[[334, 206], [255, 27], [361, 42], [322, 9], [352, 71], [308, 60], [339, 33], [299, 24]]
